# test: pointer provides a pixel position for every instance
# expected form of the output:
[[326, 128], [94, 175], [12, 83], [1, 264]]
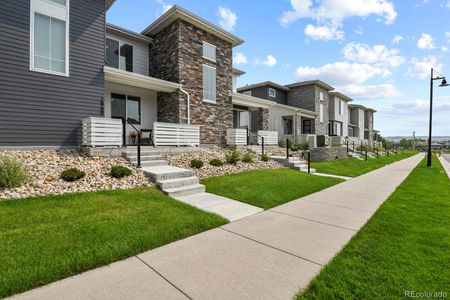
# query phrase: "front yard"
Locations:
[[267, 188], [49, 238], [353, 167], [404, 246]]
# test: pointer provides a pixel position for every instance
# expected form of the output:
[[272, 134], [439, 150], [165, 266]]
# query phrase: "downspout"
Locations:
[[188, 105]]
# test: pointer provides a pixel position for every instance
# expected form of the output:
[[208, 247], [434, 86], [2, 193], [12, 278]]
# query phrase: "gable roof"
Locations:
[[129, 33], [311, 82], [263, 84], [177, 12], [341, 96]]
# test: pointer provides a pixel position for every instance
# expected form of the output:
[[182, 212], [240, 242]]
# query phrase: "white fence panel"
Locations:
[[173, 134], [97, 131], [270, 137], [237, 137]]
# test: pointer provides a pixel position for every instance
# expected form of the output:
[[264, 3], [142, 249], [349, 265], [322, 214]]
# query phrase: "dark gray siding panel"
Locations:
[[38, 109], [263, 92]]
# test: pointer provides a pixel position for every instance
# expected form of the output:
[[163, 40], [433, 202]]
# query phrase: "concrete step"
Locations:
[[177, 182], [160, 173], [301, 167], [185, 190], [150, 163], [143, 153], [146, 157], [312, 171]]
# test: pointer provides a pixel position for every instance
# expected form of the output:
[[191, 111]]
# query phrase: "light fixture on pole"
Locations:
[[443, 84]]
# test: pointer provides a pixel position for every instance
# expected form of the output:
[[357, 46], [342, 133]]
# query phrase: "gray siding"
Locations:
[[263, 92], [39, 109]]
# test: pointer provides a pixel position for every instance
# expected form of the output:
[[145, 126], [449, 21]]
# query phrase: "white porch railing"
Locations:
[[237, 137], [310, 138], [97, 131], [270, 137], [173, 134], [338, 141]]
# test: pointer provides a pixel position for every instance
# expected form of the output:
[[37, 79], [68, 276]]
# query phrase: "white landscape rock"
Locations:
[[45, 167]]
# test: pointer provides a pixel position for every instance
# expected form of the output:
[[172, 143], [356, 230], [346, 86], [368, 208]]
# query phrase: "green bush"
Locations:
[[247, 158], [72, 174], [264, 157], [304, 145], [120, 171], [196, 163], [216, 162], [12, 172], [294, 147], [232, 157], [282, 143]]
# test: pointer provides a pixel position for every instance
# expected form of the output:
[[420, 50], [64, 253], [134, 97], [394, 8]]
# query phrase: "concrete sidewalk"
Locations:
[[445, 162], [270, 255]]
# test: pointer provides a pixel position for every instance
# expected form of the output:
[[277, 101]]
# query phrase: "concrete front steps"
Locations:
[[293, 163], [174, 181]]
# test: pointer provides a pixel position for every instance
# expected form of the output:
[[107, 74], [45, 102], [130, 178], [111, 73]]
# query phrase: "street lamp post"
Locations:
[[443, 84]]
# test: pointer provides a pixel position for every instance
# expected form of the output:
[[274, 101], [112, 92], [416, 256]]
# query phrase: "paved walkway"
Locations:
[[270, 255], [445, 162]]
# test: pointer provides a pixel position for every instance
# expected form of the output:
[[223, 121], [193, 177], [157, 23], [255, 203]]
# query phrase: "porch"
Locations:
[[131, 104]]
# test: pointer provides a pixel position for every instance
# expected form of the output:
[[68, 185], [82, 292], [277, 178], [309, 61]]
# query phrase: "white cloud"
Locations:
[[447, 36], [325, 33], [165, 6], [330, 14], [425, 42], [447, 4], [270, 61], [340, 73], [417, 107], [444, 48], [227, 18], [397, 39], [239, 59], [371, 92], [378, 55], [421, 68]]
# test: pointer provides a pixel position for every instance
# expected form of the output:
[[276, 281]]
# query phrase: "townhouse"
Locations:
[[69, 79]]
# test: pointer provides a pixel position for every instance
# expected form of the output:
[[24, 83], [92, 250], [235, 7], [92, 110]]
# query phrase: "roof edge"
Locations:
[[128, 32], [311, 82]]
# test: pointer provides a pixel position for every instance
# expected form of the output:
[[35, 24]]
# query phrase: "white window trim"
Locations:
[[121, 43], [274, 93], [321, 117], [215, 47], [215, 83], [321, 96], [53, 10]]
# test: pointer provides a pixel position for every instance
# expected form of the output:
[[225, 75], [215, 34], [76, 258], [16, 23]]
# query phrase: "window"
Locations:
[[126, 106], [341, 107], [49, 36], [119, 55], [321, 96], [240, 118], [288, 124], [209, 83], [307, 127], [209, 51], [321, 112], [248, 93], [272, 93]]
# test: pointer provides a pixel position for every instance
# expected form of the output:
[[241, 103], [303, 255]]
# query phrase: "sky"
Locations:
[[378, 52]]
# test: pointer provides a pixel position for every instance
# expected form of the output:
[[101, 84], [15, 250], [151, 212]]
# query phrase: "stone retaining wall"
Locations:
[[327, 154]]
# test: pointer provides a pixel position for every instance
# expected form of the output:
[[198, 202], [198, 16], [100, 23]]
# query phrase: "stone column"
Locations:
[[263, 118]]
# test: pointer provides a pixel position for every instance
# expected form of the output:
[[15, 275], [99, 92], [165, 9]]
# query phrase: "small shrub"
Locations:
[[282, 143], [247, 158], [264, 157], [232, 157], [295, 147], [12, 172], [231, 148], [72, 174], [216, 162], [196, 163], [304, 146], [120, 171]]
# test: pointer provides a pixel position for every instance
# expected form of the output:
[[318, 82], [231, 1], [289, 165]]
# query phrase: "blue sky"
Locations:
[[379, 52]]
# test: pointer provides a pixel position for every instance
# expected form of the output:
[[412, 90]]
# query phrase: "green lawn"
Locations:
[[267, 188], [353, 167], [404, 247], [49, 238]]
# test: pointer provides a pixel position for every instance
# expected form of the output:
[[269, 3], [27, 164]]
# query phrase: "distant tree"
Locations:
[[404, 143]]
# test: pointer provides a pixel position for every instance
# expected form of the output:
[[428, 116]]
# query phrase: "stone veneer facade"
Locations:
[[177, 55], [307, 97]]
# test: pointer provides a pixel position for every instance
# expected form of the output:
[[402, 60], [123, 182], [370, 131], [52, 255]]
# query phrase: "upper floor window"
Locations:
[[272, 93], [119, 55], [209, 51], [49, 35], [209, 83], [321, 113], [321, 96], [341, 107]]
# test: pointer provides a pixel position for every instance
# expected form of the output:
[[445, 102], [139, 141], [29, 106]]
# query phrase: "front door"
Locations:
[[306, 127], [126, 107]]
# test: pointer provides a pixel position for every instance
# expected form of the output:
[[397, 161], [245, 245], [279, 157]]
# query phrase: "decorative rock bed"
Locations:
[[183, 160], [45, 167]]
